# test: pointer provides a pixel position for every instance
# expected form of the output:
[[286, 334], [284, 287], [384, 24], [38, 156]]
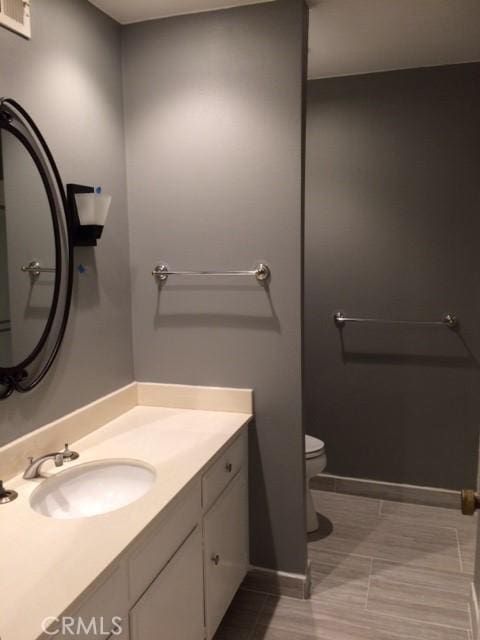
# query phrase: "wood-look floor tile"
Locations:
[[289, 619], [467, 541], [339, 578], [452, 582], [240, 619], [340, 507], [273, 584], [436, 516], [421, 545], [390, 628], [465, 526], [271, 633], [469, 566], [312, 618], [415, 592], [356, 528], [417, 602]]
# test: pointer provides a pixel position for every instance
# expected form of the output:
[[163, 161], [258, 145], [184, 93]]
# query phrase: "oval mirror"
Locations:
[[35, 248], [27, 253]]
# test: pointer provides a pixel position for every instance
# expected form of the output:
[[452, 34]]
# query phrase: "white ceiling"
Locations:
[[125, 11], [354, 36]]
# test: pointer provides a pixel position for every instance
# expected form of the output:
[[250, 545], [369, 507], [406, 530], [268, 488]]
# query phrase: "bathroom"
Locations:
[[319, 161]]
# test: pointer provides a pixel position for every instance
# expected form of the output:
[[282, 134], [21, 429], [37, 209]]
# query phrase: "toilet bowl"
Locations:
[[315, 462]]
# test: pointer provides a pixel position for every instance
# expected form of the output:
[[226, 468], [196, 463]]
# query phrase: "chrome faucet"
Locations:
[[59, 457]]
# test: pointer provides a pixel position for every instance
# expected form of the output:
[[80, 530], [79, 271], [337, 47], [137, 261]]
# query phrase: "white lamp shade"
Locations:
[[85, 208], [102, 207], [92, 208]]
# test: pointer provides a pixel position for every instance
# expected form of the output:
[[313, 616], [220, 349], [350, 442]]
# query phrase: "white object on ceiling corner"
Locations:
[[15, 16]]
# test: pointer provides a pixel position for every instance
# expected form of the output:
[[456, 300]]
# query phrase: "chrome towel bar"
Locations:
[[450, 320], [261, 272], [36, 269]]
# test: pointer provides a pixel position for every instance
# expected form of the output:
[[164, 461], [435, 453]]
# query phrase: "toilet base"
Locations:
[[312, 516], [314, 466]]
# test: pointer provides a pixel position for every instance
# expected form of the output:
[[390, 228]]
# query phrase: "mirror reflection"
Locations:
[[26, 237]]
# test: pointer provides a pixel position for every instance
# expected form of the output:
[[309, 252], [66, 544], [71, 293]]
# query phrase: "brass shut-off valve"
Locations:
[[470, 502]]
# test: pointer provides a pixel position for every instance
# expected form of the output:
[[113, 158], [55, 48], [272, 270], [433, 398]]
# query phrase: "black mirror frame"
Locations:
[[17, 121]]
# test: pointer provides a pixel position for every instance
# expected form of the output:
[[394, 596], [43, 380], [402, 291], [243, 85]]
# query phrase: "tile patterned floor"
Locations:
[[380, 571]]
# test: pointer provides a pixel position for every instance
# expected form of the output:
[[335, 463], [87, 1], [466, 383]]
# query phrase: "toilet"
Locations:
[[315, 463]]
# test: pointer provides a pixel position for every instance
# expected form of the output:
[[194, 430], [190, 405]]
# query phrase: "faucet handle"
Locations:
[[68, 455], [6, 496]]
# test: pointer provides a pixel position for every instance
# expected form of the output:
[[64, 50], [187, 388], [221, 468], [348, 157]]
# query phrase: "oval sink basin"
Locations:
[[93, 488]]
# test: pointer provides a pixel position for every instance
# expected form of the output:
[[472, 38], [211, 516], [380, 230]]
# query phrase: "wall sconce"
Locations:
[[88, 210]]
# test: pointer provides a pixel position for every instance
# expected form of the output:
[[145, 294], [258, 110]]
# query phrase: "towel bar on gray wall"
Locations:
[[261, 272], [450, 320]]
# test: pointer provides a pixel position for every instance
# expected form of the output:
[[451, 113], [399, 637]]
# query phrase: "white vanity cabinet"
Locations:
[[104, 611], [178, 578], [172, 606], [225, 529]]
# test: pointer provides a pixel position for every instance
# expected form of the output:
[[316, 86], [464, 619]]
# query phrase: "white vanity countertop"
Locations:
[[46, 564]]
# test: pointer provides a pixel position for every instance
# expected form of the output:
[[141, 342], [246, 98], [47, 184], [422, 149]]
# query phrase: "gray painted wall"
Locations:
[[213, 106], [392, 230], [69, 78]]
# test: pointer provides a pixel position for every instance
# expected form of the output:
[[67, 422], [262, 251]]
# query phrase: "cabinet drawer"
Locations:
[[172, 607], [224, 469], [225, 529], [156, 549]]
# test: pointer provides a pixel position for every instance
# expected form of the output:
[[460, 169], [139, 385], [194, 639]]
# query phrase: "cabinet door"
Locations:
[[104, 611], [172, 607], [226, 550]]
